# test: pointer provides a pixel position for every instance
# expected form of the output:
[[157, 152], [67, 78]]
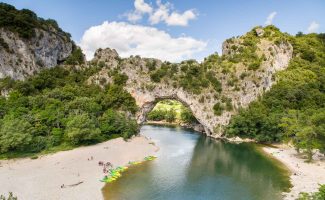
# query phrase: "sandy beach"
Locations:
[[42, 178], [305, 177]]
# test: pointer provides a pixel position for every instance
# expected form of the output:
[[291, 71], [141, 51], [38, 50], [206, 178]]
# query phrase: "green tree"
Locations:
[[170, 115], [15, 134], [157, 115], [187, 116], [305, 129], [76, 57], [81, 129]]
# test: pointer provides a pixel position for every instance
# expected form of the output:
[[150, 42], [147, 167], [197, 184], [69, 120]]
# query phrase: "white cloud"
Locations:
[[270, 18], [313, 27], [162, 13], [176, 19], [142, 6], [133, 16], [129, 39]]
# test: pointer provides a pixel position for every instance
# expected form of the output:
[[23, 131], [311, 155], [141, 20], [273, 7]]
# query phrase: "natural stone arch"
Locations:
[[151, 102], [146, 92]]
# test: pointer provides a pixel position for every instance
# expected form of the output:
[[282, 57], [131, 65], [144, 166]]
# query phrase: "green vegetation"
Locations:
[[244, 55], [119, 79], [23, 22], [294, 109], [10, 197], [151, 65], [171, 111], [56, 110], [320, 195], [76, 57], [218, 109], [4, 45]]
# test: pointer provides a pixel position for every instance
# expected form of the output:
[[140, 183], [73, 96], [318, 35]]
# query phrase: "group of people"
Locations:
[[106, 166]]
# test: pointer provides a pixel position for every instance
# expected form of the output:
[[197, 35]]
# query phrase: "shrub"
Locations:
[[218, 109], [120, 79], [76, 57], [157, 115], [10, 197], [151, 65]]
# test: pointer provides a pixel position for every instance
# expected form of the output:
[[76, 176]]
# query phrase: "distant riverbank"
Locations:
[[194, 126], [305, 177], [77, 170]]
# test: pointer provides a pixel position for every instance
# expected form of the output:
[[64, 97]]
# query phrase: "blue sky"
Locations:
[[182, 29]]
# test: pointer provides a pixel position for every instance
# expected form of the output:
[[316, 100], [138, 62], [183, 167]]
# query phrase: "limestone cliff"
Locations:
[[25, 57], [246, 70], [29, 43]]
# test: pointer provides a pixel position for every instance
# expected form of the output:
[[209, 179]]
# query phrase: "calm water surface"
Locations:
[[191, 166]]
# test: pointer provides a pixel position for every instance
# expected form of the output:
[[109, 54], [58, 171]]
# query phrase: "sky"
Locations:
[[172, 30]]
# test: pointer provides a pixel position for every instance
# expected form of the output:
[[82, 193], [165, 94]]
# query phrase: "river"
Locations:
[[193, 166]]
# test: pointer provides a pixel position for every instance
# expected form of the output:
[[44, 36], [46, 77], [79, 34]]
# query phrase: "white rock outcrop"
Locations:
[[147, 93], [25, 57]]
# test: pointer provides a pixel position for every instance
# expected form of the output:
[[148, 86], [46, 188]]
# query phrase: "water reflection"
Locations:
[[190, 166], [240, 165]]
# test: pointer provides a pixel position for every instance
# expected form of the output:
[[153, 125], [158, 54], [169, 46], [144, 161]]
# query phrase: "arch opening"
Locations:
[[173, 112]]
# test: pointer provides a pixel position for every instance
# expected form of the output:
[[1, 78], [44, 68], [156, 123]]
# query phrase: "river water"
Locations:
[[192, 166]]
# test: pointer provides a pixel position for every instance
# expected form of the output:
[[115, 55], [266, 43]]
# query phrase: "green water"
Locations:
[[191, 166]]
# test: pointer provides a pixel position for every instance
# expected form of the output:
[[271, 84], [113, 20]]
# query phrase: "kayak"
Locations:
[[114, 174], [149, 158]]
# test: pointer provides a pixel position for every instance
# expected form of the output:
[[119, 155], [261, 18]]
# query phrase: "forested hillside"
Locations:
[[294, 109], [56, 110]]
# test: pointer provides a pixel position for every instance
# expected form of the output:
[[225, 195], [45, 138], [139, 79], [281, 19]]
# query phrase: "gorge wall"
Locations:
[[214, 90], [24, 57]]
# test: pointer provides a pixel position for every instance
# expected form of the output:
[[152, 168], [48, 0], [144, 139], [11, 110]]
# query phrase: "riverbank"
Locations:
[[195, 127], [305, 177], [77, 169]]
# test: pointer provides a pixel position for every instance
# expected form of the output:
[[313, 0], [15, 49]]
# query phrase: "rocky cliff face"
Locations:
[[249, 84], [21, 57]]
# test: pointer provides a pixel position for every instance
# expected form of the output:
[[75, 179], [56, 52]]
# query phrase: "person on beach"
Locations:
[[108, 164]]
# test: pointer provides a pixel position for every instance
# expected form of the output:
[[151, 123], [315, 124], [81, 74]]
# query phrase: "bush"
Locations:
[[14, 134], [120, 79], [151, 65], [113, 123], [218, 109], [76, 57], [320, 195], [157, 115], [254, 66], [187, 116], [10, 197], [170, 115]]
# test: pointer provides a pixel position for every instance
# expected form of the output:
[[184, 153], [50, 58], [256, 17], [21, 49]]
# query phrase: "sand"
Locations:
[[42, 178], [305, 177]]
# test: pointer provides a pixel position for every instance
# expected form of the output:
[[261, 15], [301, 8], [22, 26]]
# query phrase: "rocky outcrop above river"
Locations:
[[20, 57]]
